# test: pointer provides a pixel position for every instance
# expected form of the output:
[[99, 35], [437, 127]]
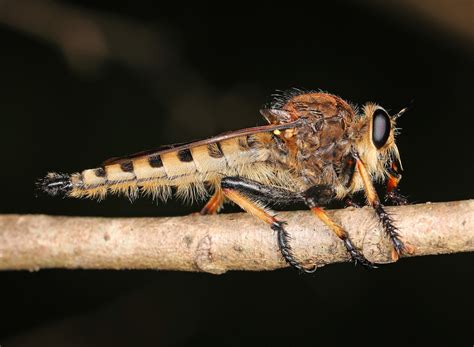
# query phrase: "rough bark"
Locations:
[[224, 242]]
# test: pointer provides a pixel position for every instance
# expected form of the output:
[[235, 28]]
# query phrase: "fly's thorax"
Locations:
[[316, 151], [298, 104]]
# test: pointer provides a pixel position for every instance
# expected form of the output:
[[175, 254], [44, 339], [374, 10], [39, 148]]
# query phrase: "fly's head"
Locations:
[[375, 141]]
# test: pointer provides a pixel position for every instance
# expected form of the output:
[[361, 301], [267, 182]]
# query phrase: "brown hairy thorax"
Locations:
[[317, 149]]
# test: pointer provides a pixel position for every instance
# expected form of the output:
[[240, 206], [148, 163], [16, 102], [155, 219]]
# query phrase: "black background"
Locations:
[[214, 69]]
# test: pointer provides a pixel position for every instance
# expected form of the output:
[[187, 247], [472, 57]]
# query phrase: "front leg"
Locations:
[[394, 176], [321, 195], [385, 219]]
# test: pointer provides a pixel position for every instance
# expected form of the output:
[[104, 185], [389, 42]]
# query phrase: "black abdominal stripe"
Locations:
[[150, 172]]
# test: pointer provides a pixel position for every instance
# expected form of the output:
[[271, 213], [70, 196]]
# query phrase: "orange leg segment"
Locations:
[[323, 216], [249, 206], [370, 193], [384, 217], [214, 204], [261, 213], [392, 183], [392, 194], [356, 255]]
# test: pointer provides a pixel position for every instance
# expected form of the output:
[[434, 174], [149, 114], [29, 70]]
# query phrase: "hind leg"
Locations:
[[249, 195]]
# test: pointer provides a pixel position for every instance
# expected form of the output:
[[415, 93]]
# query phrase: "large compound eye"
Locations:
[[380, 128]]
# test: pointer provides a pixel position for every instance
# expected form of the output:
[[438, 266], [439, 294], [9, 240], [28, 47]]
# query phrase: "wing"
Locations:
[[221, 137]]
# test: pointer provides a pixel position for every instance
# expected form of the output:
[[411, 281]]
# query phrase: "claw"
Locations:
[[352, 203], [309, 270], [357, 257], [285, 248], [396, 198]]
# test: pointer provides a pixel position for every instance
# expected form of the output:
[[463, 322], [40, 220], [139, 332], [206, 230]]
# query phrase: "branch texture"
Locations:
[[224, 242]]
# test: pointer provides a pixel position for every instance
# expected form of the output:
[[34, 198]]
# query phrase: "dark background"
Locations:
[[81, 82]]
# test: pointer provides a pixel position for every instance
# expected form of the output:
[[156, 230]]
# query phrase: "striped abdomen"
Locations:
[[187, 168]]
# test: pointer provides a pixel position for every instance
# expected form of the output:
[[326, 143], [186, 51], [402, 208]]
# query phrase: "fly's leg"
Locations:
[[214, 204], [262, 193], [349, 202], [248, 195], [320, 195], [346, 176], [385, 219], [392, 195]]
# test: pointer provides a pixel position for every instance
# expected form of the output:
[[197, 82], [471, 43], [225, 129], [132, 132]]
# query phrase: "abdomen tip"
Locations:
[[55, 184]]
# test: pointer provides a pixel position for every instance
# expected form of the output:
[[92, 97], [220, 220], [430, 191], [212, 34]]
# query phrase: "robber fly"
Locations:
[[316, 148]]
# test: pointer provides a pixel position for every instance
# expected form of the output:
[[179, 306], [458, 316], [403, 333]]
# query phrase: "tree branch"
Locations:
[[216, 244]]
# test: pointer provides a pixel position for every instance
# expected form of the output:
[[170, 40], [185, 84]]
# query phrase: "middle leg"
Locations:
[[317, 196]]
